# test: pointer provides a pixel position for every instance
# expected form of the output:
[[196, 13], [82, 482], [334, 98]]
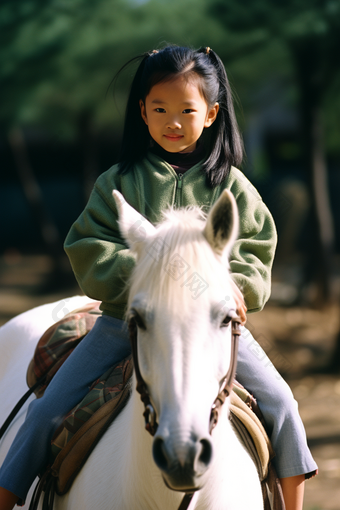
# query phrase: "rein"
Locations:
[[225, 388]]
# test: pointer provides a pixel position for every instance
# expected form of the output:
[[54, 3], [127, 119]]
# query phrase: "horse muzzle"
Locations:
[[183, 466]]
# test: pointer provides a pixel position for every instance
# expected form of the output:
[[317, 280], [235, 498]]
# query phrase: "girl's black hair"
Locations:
[[224, 144]]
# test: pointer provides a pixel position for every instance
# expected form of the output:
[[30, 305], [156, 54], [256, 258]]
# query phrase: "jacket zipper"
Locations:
[[179, 189]]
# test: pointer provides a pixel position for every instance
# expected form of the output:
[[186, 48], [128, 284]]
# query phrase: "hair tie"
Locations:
[[155, 51], [207, 50]]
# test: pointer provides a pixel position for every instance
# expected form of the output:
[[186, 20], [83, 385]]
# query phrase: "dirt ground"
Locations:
[[299, 342]]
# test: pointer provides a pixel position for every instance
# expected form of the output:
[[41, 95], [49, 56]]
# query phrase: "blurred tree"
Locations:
[[58, 57], [33, 193], [310, 29], [63, 53]]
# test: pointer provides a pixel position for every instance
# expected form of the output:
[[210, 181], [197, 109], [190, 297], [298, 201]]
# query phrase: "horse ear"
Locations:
[[221, 228], [133, 226]]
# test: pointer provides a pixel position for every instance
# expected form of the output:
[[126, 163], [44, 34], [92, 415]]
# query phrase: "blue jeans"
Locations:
[[107, 344], [278, 406]]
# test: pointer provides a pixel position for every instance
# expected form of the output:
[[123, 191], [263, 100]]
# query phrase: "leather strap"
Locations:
[[19, 405], [149, 413], [186, 501], [227, 383]]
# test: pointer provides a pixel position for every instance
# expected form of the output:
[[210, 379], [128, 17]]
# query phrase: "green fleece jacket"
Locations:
[[102, 262]]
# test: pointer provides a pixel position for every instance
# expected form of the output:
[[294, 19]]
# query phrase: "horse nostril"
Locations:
[[206, 452], [159, 453], [198, 454]]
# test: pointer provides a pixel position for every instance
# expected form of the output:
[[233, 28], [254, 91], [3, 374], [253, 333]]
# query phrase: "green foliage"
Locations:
[[289, 19], [55, 60], [58, 57], [309, 33], [310, 29]]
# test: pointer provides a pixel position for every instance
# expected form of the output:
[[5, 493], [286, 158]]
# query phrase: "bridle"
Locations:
[[225, 387]]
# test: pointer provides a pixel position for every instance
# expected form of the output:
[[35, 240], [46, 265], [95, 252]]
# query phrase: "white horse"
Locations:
[[182, 300]]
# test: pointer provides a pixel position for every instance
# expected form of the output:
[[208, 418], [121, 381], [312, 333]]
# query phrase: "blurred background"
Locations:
[[60, 127]]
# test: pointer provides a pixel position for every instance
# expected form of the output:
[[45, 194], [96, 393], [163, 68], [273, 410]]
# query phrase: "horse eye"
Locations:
[[226, 321], [139, 321]]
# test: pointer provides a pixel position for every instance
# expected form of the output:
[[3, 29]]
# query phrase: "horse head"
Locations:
[[181, 298]]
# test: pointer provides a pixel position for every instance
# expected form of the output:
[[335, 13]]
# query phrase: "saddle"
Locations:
[[83, 427]]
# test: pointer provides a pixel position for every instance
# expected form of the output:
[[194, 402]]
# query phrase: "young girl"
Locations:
[[180, 147]]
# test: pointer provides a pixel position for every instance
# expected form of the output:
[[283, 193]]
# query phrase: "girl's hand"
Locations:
[[240, 304]]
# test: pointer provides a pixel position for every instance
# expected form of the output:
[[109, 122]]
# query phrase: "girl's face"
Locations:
[[176, 114]]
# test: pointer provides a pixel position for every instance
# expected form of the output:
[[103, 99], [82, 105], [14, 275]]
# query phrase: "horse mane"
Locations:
[[178, 237]]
